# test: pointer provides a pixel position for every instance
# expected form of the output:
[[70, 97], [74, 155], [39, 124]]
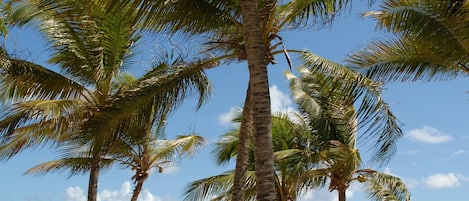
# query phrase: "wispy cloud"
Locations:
[[123, 194], [459, 152], [227, 117], [429, 135], [280, 101], [440, 181]]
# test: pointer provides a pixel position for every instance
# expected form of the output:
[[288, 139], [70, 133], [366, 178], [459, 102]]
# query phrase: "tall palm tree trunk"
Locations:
[[94, 176], [242, 157], [342, 196], [263, 151], [137, 190]]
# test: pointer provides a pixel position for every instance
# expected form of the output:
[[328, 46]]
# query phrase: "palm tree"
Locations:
[[80, 105], [237, 22], [327, 102], [429, 41], [320, 142]]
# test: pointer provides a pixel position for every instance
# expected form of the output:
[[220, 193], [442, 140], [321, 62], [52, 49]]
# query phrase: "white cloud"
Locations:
[[280, 102], [439, 181], [123, 194], [227, 117], [74, 193], [429, 135]]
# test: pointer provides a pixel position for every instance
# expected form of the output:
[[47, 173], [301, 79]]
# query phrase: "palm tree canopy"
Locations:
[[90, 51], [327, 93]]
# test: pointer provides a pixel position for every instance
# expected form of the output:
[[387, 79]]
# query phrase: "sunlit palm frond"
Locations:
[[28, 124], [331, 89], [183, 145], [444, 23], [302, 12], [91, 47], [212, 187], [218, 188], [315, 178], [77, 165], [174, 15], [167, 89], [72, 39], [406, 59], [227, 147], [430, 42], [382, 186], [23, 80]]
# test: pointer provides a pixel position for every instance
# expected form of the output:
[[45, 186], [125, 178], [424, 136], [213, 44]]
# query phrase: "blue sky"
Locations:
[[432, 157]]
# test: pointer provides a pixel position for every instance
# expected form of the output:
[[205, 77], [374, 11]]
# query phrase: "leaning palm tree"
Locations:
[[79, 105], [429, 41], [320, 143]]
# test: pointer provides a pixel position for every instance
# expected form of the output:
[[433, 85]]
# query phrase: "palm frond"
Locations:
[[405, 59], [425, 20], [382, 186], [174, 15], [205, 189], [227, 147], [77, 165], [331, 89], [300, 12], [23, 80], [183, 145], [167, 89], [28, 124], [89, 44], [218, 188]]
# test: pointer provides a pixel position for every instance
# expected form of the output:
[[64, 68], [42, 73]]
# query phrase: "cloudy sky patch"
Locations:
[[428, 135], [123, 194], [440, 181]]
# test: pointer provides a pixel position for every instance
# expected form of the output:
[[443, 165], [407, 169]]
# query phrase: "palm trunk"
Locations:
[[259, 83], [342, 196], [94, 176], [245, 133], [137, 190]]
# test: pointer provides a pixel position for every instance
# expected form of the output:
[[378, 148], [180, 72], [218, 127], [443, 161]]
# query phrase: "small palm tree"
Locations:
[[429, 41]]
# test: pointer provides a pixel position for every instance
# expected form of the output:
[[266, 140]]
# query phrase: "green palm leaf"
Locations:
[[430, 42], [326, 93], [76, 165], [22, 79], [382, 186], [28, 124]]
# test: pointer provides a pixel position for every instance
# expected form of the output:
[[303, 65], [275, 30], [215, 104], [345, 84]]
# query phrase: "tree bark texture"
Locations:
[[137, 190], [242, 157], [342, 196], [263, 152], [94, 177]]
